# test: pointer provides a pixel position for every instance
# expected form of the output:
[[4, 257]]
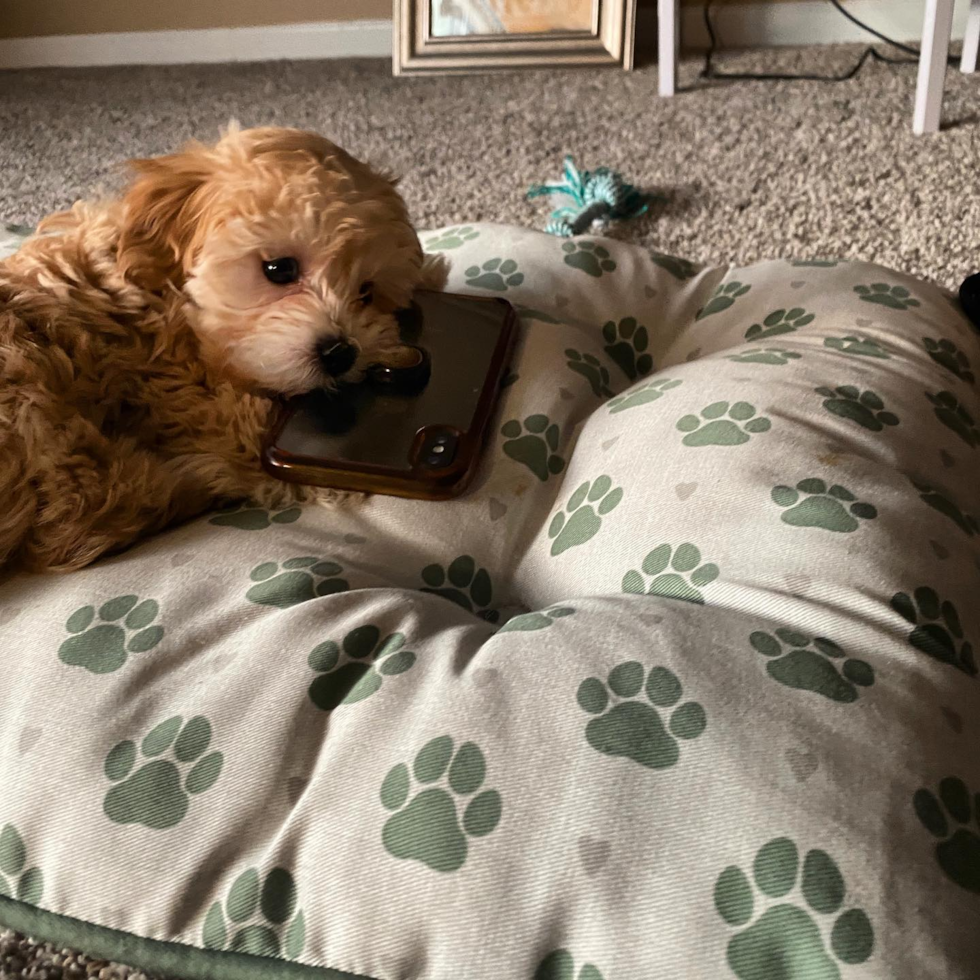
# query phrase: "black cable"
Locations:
[[709, 71]]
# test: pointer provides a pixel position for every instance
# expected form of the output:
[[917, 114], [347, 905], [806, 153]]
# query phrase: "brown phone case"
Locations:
[[469, 341]]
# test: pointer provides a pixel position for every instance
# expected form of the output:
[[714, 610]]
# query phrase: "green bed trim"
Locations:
[[155, 955]]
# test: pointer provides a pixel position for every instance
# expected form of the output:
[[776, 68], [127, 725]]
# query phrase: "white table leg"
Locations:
[[971, 39], [936, 30], [668, 42]]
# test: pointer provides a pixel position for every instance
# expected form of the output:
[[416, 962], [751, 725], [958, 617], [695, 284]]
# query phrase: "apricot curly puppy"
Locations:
[[142, 339]]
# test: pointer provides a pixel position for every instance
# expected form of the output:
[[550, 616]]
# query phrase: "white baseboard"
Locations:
[[751, 25], [320, 39]]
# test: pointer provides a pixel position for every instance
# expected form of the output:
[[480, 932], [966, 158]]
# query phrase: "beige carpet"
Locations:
[[750, 170]]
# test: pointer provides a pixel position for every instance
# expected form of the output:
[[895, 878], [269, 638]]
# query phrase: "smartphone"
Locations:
[[416, 431]]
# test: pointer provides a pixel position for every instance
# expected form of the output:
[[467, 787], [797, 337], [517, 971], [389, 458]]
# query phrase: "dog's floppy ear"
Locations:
[[162, 210]]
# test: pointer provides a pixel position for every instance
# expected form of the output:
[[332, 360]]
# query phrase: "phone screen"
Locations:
[[370, 424]]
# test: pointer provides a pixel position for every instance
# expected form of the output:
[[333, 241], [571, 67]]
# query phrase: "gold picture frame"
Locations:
[[418, 51]]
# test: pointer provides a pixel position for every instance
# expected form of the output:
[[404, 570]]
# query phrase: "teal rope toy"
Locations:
[[600, 196]]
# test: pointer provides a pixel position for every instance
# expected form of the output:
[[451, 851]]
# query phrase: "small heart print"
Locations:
[[684, 490], [485, 676], [798, 284], [561, 301], [947, 459], [609, 443], [295, 786], [566, 395], [940, 552], [354, 539], [953, 720], [797, 581], [802, 764], [694, 354], [497, 508], [863, 322], [182, 559], [28, 739], [593, 854], [649, 292]]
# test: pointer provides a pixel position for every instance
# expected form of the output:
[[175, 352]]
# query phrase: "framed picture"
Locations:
[[462, 36]]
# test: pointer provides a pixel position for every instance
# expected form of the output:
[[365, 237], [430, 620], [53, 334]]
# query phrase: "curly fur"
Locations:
[[141, 346]]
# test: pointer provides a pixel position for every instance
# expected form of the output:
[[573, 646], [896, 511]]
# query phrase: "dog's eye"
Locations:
[[366, 293], [281, 271]]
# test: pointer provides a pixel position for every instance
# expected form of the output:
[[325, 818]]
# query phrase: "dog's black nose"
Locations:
[[337, 356]]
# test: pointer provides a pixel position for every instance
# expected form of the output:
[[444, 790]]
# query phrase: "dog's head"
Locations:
[[293, 254]]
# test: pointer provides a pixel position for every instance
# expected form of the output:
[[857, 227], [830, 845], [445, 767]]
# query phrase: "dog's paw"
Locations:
[[435, 272]]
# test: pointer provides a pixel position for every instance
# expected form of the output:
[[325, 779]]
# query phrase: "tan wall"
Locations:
[[36, 18]]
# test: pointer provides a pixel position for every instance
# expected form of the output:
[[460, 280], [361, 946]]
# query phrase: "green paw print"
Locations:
[[625, 345], [947, 355], [785, 942], [808, 664], [779, 322], [531, 621], [16, 882], [451, 238], [954, 416], [468, 586], [248, 518], [582, 521], [368, 660], [676, 574], [559, 965], [429, 829], [863, 407], [589, 257], [158, 794], [724, 297], [713, 429], [496, 274], [767, 355], [643, 395], [857, 346], [590, 369], [937, 630], [632, 728], [297, 580], [894, 297], [537, 447], [104, 647], [678, 268], [939, 501], [949, 817], [254, 915], [832, 508]]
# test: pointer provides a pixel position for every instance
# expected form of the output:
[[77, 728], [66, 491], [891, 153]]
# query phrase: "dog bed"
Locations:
[[684, 687]]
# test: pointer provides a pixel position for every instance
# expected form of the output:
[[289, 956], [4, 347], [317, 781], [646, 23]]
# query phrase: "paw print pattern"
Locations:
[[634, 727], [953, 817], [626, 344], [253, 918], [678, 268], [938, 500], [590, 258], [496, 274], [937, 630], [579, 521], [535, 444], [722, 424], [954, 416], [812, 664], [857, 346], [532, 621], [297, 580], [894, 297], [125, 626], [724, 297], [947, 355], [16, 879], [158, 793], [813, 504], [428, 828], [779, 322], [767, 355], [642, 395], [367, 661], [785, 942], [676, 574], [464, 584], [559, 965], [451, 238], [863, 407], [246, 517], [589, 368]]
